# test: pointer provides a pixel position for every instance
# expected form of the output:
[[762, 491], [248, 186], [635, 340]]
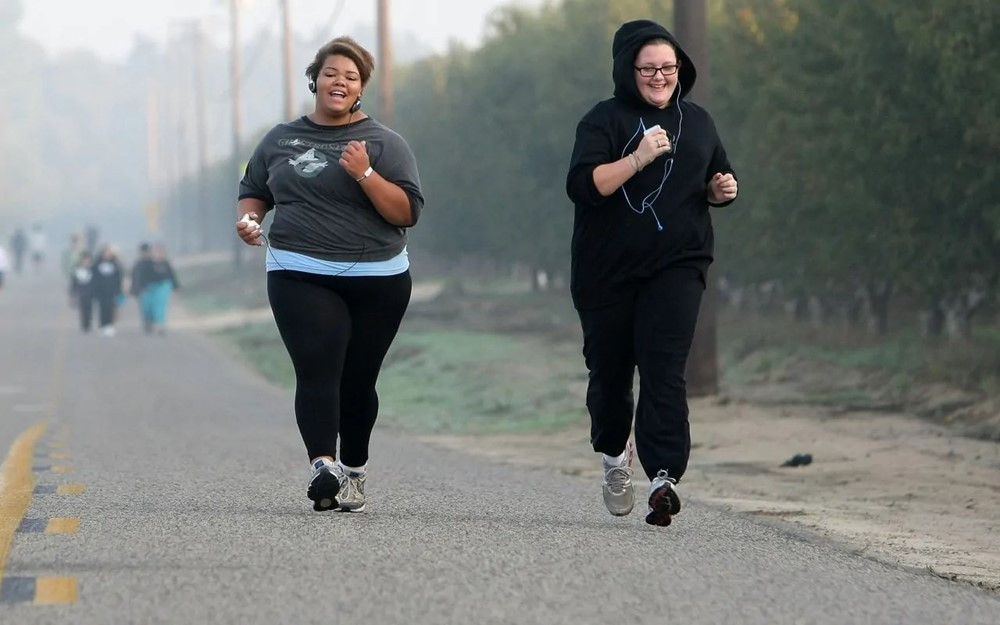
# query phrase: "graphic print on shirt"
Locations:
[[310, 163]]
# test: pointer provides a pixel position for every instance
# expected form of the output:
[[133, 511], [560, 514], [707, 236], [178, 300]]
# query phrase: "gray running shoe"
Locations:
[[352, 495], [664, 502], [619, 495], [326, 482]]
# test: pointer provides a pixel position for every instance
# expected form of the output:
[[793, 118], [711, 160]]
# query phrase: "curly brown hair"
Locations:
[[344, 46]]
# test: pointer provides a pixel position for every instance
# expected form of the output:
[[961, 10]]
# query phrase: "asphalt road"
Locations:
[[168, 486]]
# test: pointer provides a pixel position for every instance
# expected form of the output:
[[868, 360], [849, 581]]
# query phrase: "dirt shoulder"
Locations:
[[893, 487]]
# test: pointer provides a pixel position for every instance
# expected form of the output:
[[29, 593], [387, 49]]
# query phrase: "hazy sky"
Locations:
[[108, 27]]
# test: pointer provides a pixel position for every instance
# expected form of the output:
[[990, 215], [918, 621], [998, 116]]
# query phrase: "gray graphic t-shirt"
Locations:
[[319, 209]]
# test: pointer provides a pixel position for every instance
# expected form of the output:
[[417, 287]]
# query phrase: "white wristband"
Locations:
[[368, 172]]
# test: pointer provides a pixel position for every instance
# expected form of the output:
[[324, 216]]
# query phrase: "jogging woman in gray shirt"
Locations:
[[341, 189]]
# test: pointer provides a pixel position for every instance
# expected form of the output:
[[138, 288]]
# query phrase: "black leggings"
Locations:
[[652, 328], [337, 331], [86, 302]]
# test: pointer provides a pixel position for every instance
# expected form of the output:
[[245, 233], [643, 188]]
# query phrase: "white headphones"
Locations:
[[668, 165]]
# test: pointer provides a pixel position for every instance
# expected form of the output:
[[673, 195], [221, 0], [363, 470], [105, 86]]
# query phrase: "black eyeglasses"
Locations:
[[666, 70]]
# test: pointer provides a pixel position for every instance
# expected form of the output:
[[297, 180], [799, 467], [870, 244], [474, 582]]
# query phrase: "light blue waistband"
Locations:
[[278, 260]]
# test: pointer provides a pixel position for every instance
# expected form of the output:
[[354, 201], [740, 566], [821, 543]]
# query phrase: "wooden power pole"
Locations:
[[286, 56], [703, 363], [237, 121], [152, 207], [201, 140], [385, 104]]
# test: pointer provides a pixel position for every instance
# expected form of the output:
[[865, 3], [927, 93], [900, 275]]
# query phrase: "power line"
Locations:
[[262, 44], [265, 42], [334, 16]]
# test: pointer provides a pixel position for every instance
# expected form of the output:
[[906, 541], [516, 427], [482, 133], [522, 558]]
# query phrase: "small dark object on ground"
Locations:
[[798, 460]]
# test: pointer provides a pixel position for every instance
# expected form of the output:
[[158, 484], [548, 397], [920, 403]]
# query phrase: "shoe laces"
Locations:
[[618, 478], [664, 476], [354, 485]]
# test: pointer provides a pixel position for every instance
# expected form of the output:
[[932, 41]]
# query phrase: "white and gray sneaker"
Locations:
[[619, 495], [327, 480], [664, 502], [352, 495]]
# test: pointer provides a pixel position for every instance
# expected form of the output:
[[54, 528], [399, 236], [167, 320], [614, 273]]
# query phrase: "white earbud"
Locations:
[[253, 225]]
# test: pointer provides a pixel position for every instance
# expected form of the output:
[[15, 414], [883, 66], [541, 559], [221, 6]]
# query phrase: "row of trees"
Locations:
[[864, 133]]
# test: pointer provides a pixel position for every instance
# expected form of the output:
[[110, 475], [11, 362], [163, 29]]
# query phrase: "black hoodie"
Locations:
[[616, 242]]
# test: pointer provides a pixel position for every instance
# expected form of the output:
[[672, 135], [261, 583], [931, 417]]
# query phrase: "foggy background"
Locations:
[[865, 137], [851, 316]]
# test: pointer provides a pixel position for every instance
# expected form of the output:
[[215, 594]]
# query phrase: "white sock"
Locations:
[[614, 461], [318, 462], [359, 470]]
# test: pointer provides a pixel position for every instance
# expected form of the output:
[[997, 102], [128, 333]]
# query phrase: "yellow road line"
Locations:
[[16, 486], [61, 469], [70, 489], [59, 456], [63, 525], [55, 590]]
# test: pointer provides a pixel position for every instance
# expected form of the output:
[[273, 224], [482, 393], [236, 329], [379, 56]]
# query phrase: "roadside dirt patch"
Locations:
[[893, 487]]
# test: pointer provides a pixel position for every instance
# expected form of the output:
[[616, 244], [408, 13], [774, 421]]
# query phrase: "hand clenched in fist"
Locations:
[[722, 188]]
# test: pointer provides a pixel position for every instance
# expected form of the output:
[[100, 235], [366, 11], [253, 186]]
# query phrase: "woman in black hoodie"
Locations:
[[107, 287], [646, 167]]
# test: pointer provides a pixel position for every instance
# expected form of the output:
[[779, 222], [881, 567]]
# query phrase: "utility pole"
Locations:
[[179, 225], [204, 223], [234, 94], [703, 363], [385, 104], [152, 170], [286, 55]]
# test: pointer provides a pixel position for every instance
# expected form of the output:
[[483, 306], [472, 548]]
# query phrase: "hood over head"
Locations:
[[629, 39]]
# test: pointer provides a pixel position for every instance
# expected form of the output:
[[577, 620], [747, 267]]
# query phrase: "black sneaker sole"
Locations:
[[347, 510], [664, 503], [323, 491]]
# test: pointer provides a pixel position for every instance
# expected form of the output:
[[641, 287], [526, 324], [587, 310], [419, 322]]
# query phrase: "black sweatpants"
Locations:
[[337, 331], [652, 329], [106, 309]]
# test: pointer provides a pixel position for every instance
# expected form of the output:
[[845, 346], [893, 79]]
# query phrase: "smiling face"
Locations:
[[338, 86], [657, 89]]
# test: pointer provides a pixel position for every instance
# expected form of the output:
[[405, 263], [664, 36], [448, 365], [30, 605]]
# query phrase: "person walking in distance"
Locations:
[[342, 189], [646, 167], [18, 247], [37, 242], [153, 282], [4, 265], [137, 277], [107, 287], [81, 290]]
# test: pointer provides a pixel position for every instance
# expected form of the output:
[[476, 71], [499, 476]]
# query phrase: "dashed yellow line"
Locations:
[[70, 489], [55, 590], [63, 525], [61, 469], [16, 487]]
